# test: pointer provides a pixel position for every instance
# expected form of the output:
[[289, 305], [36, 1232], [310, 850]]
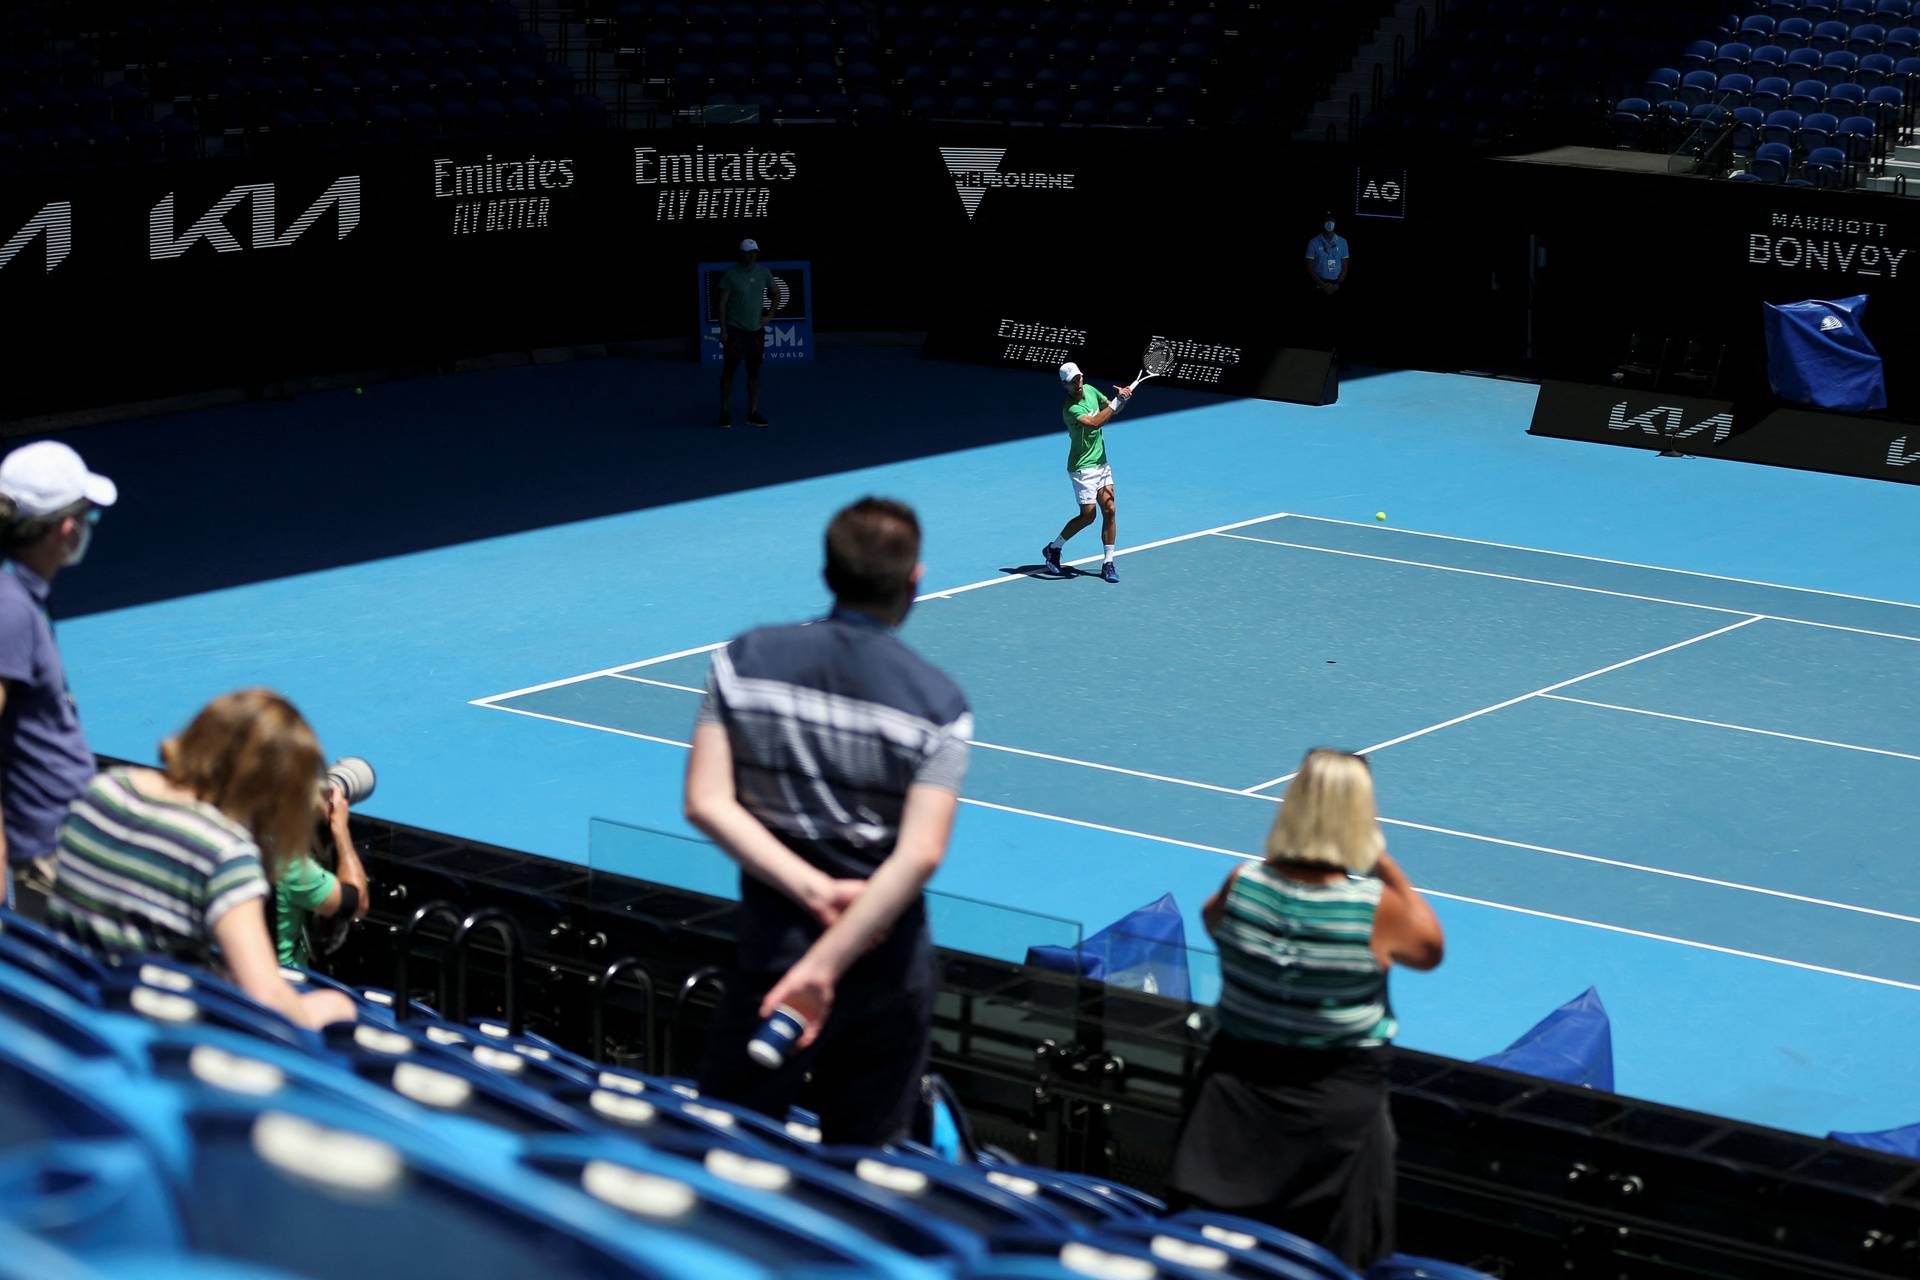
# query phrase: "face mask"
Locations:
[[79, 551], [1327, 227]]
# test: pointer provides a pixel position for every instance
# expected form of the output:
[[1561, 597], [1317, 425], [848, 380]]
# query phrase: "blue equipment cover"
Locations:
[[1818, 354], [1573, 1044], [1145, 950], [1899, 1142]]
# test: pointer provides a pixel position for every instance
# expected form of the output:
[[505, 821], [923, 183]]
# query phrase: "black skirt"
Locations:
[[1298, 1138]]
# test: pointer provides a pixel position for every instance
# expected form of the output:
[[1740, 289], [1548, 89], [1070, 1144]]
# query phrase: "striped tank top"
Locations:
[[1296, 963], [132, 873]]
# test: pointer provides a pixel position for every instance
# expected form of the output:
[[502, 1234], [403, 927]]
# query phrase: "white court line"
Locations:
[[582, 724], [1743, 728], [1436, 893], [1485, 573], [1572, 586], [1679, 942], [658, 684], [947, 594], [1118, 831], [1501, 706], [1114, 768], [1628, 564], [491, 699], [1657, 871], [1391, 822]]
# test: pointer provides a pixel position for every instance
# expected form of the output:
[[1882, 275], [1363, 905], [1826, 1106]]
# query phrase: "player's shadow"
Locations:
[[1044, 574]]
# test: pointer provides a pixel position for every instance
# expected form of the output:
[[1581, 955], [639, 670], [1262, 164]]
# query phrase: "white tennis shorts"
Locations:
[[1089, 481]]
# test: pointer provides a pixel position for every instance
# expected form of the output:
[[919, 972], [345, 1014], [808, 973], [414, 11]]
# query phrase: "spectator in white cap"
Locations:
[[746, 304], [49, 502], [1087, 410]]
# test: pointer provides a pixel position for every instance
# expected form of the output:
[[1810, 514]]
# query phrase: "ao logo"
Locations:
[[1377, 190]]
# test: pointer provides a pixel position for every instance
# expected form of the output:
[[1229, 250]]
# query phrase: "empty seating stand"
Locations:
[[150, 1127]]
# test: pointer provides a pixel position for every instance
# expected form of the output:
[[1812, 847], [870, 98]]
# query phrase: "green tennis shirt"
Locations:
[[302, 889], [1086, 446], [746, 295]]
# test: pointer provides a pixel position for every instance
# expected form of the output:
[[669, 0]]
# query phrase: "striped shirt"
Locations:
[[829, 725], [133, 873], [1297, 964]]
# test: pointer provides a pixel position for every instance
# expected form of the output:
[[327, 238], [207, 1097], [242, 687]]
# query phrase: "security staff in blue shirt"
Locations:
[[1327, 268], [1327, 259]]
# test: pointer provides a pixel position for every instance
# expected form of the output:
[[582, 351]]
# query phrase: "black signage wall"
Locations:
[[227, 272]]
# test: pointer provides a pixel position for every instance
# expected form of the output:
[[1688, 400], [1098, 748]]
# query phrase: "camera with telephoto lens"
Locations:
[[354, 778]]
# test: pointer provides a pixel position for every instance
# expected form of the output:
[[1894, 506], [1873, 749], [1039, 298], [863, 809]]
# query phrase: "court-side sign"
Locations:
[[788, 335], [1784, 436]]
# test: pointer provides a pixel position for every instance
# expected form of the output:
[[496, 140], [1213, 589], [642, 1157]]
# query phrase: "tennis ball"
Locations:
[[359, 391], [1379, 515]]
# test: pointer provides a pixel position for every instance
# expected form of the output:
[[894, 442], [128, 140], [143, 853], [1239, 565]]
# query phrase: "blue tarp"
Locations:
[[1900, 1142], [1145, 950], [1573, 1044], [1818, 354]]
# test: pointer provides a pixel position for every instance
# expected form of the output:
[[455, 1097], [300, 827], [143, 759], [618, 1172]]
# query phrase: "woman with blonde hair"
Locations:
[[179, 860], [1289, 1122]]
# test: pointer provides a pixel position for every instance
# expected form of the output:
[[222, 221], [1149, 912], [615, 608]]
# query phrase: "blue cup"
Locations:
[[776, 1036]]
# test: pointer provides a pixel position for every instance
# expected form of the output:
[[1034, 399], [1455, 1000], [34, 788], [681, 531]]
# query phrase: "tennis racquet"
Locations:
[[1157, 360]]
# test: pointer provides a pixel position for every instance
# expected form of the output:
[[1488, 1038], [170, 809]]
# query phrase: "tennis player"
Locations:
[[1087, 410]]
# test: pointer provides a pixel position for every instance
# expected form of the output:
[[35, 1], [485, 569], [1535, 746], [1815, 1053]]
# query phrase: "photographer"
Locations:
[[176, 859], [306, 888]]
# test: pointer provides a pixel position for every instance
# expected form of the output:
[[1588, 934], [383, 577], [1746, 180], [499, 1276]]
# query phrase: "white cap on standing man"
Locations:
[[47, 476], [1069, 371]]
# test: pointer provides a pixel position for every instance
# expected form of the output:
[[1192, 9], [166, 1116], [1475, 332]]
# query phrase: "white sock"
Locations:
[[1056, 544], [1109, 553]]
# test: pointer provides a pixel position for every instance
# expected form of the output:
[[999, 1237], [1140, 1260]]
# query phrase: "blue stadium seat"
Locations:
[[1806, 96], [935, 1189], [1768, 93], [1901, 42], [1885, 104], [1746, 128], [1844, 100], [1828, 36], [1893, 9], [1825, 167], [1733, 90], [303, 1185], [1802, 63], [685, 1197], [1729, 57], [1246, 1233], [1866, 38], [1767, 60], [1815, 131], [1837, 67], [1757, 27], [1793, 34], [1698, 55], [1873, 70], [1858, 138], [1696, 87], [879, 1214], [89, 1196], [1772, 162]]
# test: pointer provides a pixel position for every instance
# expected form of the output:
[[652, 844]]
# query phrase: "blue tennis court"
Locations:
[[1683, 785]]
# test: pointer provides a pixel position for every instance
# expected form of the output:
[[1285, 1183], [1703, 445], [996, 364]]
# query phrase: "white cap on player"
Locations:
[[1069, 371], [749, 246]]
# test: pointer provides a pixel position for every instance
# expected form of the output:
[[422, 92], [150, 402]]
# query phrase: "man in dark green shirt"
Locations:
[[744, 310]]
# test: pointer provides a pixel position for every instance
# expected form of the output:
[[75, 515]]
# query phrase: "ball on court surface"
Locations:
[[1379, 515], [359, 391]]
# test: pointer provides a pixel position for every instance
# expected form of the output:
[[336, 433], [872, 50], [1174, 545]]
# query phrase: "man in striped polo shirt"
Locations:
[[827, 762]]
